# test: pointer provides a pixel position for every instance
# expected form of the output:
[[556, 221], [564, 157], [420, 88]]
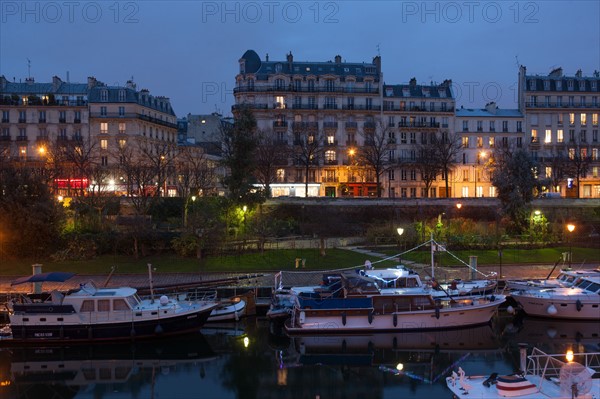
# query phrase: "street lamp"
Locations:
[[400, 231], [571, 228], [480, 154]]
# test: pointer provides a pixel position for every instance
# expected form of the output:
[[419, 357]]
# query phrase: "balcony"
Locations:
[[21, 138], [302, 126], [354, 107], [330, 179], [4, 138], [330, 106], [280, 124], [330, 162], [42, 138], [305, 106], [331, 143], [76, 120], [42, 120], [22, 120], [251, 106], [307, 89], [330, 125], [5, 120], [77, 138], [62, 120], [351, 125], [403, 124], [369, 125]]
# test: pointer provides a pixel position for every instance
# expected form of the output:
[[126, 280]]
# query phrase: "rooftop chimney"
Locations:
[[556, 72], [30, 80], [56, 82], [413, 82], [267, 57], [491, 107], [130, 84], [91, 82], [338, 59], [578, 73]]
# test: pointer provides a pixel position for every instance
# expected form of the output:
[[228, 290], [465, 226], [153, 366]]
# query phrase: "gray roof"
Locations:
[[40, 89], [580, 84], [414, 90], [263, 69], [484, 113]]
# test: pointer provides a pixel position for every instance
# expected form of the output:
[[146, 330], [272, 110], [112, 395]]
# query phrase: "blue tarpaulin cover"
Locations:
[[43, 277]]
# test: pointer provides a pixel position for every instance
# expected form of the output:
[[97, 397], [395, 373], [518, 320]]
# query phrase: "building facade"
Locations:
[[561, 122], [94, 121], [483, 132], [350, 111]]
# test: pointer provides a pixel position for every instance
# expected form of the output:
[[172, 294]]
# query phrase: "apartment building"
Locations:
[[347, 107], [561, 122], [483, 132]]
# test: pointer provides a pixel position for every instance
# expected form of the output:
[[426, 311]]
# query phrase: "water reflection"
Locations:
[[254, 359]]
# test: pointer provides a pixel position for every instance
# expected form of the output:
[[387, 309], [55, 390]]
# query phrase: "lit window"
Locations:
[[122, 143], [595, 119], [560, 136], [122, 127], [492, 142], [104, 127], [104, 144], [571, 118], [548, 171], [548, 136], [583, 119]]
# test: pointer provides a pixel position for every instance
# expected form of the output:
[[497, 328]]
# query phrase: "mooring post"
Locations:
[[37, 269], [473, 264]]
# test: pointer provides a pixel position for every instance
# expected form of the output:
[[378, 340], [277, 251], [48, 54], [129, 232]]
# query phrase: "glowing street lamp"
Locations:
[[400, 231], [571, 228]]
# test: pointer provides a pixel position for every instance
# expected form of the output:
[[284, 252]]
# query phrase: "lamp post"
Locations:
[[571, 228], [400, 231]]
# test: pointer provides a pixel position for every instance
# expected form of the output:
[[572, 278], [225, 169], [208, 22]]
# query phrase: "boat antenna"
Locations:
[[112, 270], [150, 278]]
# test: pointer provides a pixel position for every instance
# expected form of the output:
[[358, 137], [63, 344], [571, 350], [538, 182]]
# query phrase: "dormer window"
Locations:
[[389, 92], [121, 95], [531, 84], [546, 85], [559, 85], [582, 85], [570, 84], [277, 67], [104, 95]]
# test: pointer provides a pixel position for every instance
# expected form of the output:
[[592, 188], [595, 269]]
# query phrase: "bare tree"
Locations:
[[160, 157], [374, 154], [426, 161], [271, 153], [308, 147], [448, 146], [578, 163]]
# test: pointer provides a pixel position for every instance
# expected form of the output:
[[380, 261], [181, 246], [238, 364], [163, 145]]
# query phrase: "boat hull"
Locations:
[[560, 307], [149, 328], [336, 321]]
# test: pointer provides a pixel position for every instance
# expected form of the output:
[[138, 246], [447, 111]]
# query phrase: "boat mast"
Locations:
[[432, 256], [150, 278]]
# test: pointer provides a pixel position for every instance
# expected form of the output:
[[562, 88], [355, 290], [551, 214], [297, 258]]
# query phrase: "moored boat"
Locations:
[[93, 314], [581, 301], [542, 376], [566, 278], [360, 306], [228, 310]]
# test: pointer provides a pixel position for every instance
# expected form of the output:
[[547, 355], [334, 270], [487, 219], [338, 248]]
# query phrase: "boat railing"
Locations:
[[549, 365]]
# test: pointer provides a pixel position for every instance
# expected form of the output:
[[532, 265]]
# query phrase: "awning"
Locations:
[[44, 277]]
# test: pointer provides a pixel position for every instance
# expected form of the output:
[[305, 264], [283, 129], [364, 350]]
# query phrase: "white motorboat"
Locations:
[[360, 306], [543, 376], [228, 310], [580, 301], [566, 278], [94, 314]]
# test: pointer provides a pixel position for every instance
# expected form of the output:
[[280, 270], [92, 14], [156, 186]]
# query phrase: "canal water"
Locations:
[[253, 359]]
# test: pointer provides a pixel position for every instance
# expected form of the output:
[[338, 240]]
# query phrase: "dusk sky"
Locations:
[[189, 50]]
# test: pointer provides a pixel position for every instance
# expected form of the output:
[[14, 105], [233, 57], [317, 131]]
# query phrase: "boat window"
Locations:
[[133, 300], [120, 304], [594, 287], [422, 301], [103, 305], [87, 306], [411, 282], [89, 374], [122, 372], [583, 284]]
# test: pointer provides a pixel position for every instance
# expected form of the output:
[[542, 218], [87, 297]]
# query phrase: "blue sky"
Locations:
[[189, 50]]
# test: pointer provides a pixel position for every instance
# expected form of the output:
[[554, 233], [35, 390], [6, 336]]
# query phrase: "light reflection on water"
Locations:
[[218, 364]]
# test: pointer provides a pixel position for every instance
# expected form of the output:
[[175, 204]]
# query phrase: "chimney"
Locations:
[[267, 57], [377, 62], [578, 73], [91, 82], [30, 80], [556, 72], [130, 84], [596, 75], [56, 82], [290, 60], [413, 82], [491, 108], [338, 59]]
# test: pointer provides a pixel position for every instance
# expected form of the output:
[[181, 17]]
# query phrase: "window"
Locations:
[[122, 143], [413, 138], [595, 135], [121, 111], [519, 126], [103, 305], [443, 106], [104, 144], [104, 127], [413, 174], [571, 135], [121, 95], [571, 119], [559, 119], [444, 120], [403, 192], [595, 119], [391, 155], [368, 103], [595, 152], [122, 127], [329, 156], [87, 306], [519, 142], [582, 101], [77, 117], [583, 119], [559, 101], [104, 160], [102, 111], [330, 85], [120, 304], [465, 142], [391, 174], [480, 126], [548, 171], [492, 126], [279, 84], [534, 136], [104, 95], [42, 116], [279, 102], [570, 84], [583, 136], [23, 151], [571, 153], [491, 142], [560, 136], [403, 174], [403, 139], [548, 136], [465, 126], [479, 142]]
